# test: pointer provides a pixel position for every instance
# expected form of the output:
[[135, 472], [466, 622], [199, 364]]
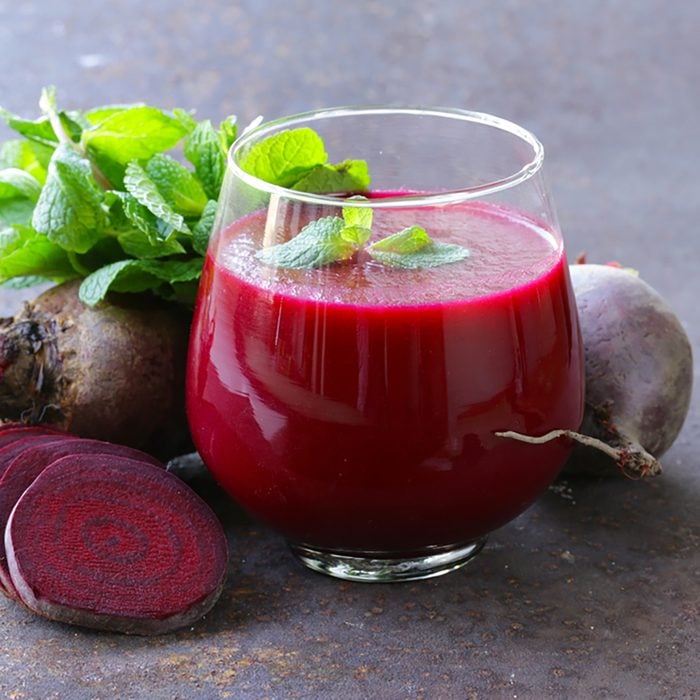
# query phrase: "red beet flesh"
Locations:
[[25, 467], [115, 544]]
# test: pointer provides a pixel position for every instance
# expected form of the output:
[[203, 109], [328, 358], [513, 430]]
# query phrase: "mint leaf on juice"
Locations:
[[319, 243], [69, 210], [413, 249]]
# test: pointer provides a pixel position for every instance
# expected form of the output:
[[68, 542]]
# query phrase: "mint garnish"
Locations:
[[297, 159], [332, 239], [412, 249], [94, 195], [319, 243]]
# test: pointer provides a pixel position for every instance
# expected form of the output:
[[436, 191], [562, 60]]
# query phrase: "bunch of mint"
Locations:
[[94, 195]]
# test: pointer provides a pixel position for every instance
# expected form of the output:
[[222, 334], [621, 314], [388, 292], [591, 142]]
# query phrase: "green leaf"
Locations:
[[145, 191], [18, 183], [348, 176], [16, 210], [138, 245], [409, 240], [319, 243], [413, 249], [26, 155], [134, 134], [26, 281], [358, 216], [34, 254], [204, 150], [228, 131], [185, 118], [136, 276], [179, 187], [201, 232], [356, 234], [282, 159], [41, 130], [69, 210], [99, 114]]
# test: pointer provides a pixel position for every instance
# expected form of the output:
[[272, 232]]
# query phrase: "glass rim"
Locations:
[[453, 196]]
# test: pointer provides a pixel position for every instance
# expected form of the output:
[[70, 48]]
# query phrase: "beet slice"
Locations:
[[11, 450], [10, 435], [115, 544], [27, 465]]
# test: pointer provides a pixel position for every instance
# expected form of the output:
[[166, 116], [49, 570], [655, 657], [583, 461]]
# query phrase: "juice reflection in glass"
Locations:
[[353, 407]]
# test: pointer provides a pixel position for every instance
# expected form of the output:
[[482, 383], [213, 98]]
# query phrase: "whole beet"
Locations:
[[639, 364], [113, 372], [639, 374]]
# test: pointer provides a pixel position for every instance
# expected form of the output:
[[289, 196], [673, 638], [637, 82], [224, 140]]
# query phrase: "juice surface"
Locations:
[[354, 406]]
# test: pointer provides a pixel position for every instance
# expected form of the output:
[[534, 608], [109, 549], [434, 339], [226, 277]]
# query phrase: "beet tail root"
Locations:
[[631, 458]]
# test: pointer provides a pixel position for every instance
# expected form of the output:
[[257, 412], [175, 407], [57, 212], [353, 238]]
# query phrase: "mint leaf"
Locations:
[[136, 133], [179, 187], [319, 243], [99, 114], [16, 211], [135, 244], [413, 249], [40, 130], [18, 183], [136, 276], [26, 155], [228, 131], [409, 240], [204, 149], [33, 254], [185, 118], [201, 231], [145, 191], [282, 159], [69, 210], [358, 216], [348, 176]]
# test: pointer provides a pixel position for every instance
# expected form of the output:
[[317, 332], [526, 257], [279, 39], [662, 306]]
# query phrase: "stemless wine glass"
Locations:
[[354, 406]]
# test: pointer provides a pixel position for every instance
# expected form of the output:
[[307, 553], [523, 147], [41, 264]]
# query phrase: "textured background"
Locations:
[[591, 593]]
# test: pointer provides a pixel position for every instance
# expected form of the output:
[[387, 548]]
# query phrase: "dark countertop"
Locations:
[[595, 590]]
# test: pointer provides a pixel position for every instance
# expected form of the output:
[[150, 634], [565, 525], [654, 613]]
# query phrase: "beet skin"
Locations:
[[114, 372]]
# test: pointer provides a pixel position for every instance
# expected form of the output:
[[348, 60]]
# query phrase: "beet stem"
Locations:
[[632, 459]]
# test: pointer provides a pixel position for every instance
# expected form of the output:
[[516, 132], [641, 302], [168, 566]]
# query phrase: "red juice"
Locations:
[[353, 407]]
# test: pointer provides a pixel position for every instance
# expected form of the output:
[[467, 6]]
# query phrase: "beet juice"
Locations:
[[353, 407]]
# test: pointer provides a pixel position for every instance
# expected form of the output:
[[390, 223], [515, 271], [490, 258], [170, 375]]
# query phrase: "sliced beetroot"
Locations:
[[11, 450], [10, 435], [29, 463], [115, 544]]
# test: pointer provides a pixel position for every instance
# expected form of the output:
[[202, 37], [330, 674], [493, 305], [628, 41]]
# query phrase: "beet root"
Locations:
[[115, 544], [115, 372], [639, 374], [19, 475]]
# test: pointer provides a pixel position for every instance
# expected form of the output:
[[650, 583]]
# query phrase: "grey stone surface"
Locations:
[[594, 591]]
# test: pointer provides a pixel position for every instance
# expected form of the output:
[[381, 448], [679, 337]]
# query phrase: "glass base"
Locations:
[[375, 568]]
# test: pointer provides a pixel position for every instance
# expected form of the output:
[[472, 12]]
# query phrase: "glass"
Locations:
[[353, 407]]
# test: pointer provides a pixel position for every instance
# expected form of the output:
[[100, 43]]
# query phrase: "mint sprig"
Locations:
[[94, 194], [334, 239]]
